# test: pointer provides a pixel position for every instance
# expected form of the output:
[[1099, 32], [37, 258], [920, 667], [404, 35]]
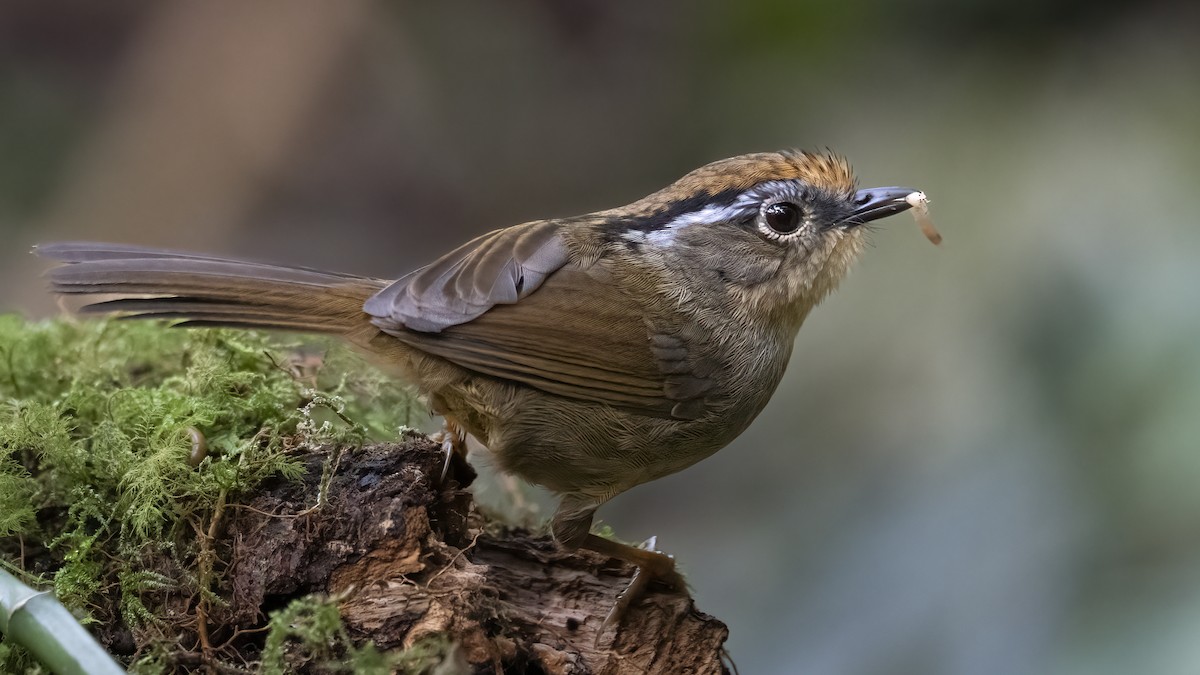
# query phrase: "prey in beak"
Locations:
[[875, 203]]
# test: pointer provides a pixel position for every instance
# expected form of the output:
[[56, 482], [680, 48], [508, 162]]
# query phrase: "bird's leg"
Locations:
[[454, 442], [571, 526]]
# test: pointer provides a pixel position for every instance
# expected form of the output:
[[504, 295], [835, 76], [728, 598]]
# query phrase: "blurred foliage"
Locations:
[[39, 128]]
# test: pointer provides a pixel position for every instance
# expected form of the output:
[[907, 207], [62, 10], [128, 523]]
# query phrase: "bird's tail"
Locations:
[[199, 290]]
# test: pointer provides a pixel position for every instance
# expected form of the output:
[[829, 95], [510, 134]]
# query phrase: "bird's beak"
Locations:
[[875, 203]]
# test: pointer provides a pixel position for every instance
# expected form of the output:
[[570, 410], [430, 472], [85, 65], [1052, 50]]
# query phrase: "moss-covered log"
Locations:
[[224, 502]]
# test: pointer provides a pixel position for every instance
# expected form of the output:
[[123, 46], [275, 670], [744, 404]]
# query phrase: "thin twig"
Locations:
[[455, 558]]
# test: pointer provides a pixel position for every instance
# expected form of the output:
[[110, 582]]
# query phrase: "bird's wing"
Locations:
[[498, 268], [511, 305]]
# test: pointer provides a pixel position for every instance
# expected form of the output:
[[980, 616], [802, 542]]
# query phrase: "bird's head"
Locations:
[[765, 235]]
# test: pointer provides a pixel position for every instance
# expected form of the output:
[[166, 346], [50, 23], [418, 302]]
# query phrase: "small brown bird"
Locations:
[[590, 354]]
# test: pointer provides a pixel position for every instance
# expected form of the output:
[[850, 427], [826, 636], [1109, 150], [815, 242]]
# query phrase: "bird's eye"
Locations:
[[782, 217]]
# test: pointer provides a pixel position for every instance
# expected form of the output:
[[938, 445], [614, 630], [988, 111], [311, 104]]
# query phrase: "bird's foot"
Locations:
[[453, 440], [652, 566]]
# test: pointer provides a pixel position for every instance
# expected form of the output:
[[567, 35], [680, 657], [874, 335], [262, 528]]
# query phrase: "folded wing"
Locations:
[[510, 304]]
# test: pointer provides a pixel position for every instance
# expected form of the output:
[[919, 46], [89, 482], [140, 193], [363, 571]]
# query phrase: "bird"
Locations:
[[590, 354]]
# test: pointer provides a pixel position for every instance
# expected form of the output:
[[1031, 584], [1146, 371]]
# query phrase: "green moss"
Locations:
[[310, 629], [14, 659], [97, 423], [16, 495]]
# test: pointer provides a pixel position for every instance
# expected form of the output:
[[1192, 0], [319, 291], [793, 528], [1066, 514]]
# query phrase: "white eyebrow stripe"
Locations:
[[705, 216], [745, 202]]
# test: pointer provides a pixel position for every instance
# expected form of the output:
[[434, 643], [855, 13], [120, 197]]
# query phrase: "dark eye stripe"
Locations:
[[659, 219]]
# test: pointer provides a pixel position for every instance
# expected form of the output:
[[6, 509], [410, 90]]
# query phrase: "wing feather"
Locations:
[[510, 304], [499, 268], [574, 337]]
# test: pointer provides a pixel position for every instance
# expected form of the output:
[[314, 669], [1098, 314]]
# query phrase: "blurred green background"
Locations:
[[984, 457]]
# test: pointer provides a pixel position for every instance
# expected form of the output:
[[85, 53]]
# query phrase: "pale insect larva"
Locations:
[[920, 211]]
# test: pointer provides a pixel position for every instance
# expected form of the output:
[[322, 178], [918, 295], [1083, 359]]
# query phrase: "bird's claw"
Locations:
[[453, 442], [655, 566], [633, 591], [447, 456]]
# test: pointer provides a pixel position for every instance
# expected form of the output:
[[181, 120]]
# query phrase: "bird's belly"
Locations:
[[574, 446]]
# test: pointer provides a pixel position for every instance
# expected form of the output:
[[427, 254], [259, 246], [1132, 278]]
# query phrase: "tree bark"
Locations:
[[408, 559]]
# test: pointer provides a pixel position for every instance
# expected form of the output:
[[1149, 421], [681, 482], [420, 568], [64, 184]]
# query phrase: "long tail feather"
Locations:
[[209, 291]]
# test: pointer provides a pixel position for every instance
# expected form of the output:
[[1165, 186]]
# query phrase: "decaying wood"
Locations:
[[409, 560]]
